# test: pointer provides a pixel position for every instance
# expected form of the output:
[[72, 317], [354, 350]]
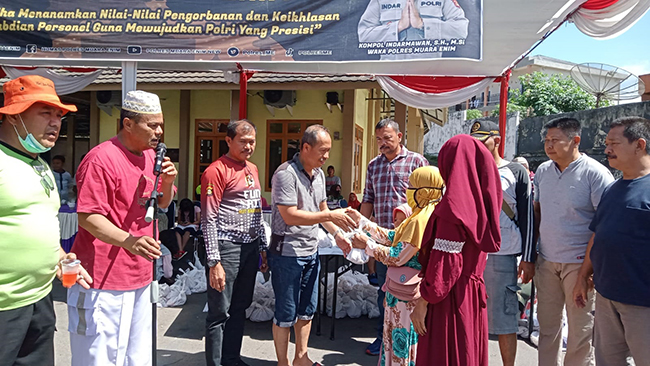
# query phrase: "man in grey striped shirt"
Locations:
[[516, 223], [299, 205]]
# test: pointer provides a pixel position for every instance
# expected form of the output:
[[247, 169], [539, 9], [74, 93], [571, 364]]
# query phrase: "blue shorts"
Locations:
[[501, 284], [295, 287]]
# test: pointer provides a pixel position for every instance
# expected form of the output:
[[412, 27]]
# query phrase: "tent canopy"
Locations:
[[510, 29]]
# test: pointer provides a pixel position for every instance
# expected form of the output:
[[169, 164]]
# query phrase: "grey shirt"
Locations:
[[568, 202], [292, 186]]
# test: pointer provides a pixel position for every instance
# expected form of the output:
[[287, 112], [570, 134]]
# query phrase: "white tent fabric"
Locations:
[[611, 21], [64, 84], [422, 100]]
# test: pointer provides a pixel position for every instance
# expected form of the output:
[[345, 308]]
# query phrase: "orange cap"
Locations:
[[23, 92]]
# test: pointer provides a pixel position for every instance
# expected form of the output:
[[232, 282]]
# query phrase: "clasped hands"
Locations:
[[345, 219], [410, 17], [348, 220]]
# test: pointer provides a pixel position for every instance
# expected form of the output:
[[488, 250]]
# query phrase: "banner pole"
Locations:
[[129, 76], [503, 108], [243, 92]]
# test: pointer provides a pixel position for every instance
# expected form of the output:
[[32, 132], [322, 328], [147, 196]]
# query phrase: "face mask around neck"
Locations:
[[30, 143]]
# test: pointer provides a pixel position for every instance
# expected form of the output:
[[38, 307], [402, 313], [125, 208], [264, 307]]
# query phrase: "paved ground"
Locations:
[[180, 339]]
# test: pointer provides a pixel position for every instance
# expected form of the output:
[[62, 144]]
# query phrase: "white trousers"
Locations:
[[109, 327]]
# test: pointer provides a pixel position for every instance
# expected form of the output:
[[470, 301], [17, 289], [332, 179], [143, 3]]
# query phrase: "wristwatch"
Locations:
[[213, 262]]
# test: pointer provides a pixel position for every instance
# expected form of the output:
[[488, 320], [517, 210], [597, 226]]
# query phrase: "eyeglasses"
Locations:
[[41, 169]]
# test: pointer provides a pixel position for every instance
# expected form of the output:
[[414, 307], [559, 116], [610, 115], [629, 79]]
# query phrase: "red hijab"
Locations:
[[473, 196], [354, 203]]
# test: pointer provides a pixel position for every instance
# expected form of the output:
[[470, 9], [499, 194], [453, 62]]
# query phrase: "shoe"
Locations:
[[374, 348], [372, 279], [180, 254]]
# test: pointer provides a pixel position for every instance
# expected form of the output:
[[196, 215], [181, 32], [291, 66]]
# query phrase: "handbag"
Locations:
[[403, 283]]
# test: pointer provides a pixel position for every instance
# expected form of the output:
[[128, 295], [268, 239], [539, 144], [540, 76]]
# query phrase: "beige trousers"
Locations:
[[621, 330], [555, 283]]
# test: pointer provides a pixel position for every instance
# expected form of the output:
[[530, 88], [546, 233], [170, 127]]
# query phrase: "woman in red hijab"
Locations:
[[450, 317], [353, 201]]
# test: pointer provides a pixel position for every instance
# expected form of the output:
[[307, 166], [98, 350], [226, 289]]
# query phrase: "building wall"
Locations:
[[310, 105], [205, 104], [169, 101], [646, 80], [457, 124], [216, 104], [108, 124]]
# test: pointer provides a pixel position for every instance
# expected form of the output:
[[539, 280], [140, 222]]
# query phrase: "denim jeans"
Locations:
[[224, 324], [381, 279], [295, 281], [500, 277]]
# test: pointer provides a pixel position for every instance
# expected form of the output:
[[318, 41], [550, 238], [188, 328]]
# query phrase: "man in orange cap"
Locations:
[[29, 228]]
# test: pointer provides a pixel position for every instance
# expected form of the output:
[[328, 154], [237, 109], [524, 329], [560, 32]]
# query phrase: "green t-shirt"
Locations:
[[29, 229]]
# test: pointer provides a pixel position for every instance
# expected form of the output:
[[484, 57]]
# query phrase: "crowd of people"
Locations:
[[448, 243]]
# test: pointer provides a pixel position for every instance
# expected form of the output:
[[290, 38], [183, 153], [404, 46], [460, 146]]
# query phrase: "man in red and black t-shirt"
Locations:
[[234, 237]]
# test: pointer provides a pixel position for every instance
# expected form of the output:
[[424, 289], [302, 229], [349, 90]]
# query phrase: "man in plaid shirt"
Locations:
[[386, 183]]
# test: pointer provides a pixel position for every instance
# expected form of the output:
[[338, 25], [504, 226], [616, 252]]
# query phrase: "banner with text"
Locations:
[[237, 30]]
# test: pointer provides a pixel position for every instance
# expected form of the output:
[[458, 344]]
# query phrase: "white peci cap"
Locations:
[[139, 101]]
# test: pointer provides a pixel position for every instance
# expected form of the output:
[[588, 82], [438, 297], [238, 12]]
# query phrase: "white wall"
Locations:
[[457, 124]]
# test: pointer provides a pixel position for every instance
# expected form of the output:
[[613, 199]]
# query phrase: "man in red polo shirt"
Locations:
[[110, 324]]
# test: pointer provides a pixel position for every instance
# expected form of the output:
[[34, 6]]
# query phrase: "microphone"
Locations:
[[161, 150]]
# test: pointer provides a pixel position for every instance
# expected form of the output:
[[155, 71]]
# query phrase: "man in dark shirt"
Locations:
[[619, 253]]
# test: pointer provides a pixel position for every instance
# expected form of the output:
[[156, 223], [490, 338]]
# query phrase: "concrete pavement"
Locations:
[[180, 339]]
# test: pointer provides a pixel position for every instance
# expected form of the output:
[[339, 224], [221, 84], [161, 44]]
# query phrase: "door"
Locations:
[[210, 144]]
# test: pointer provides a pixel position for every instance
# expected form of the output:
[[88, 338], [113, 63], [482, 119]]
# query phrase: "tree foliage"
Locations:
[[545, 94], [511, 108], [474, 114]]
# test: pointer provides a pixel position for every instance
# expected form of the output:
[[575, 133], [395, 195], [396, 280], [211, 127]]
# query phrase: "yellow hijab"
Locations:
[[423, 202]]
